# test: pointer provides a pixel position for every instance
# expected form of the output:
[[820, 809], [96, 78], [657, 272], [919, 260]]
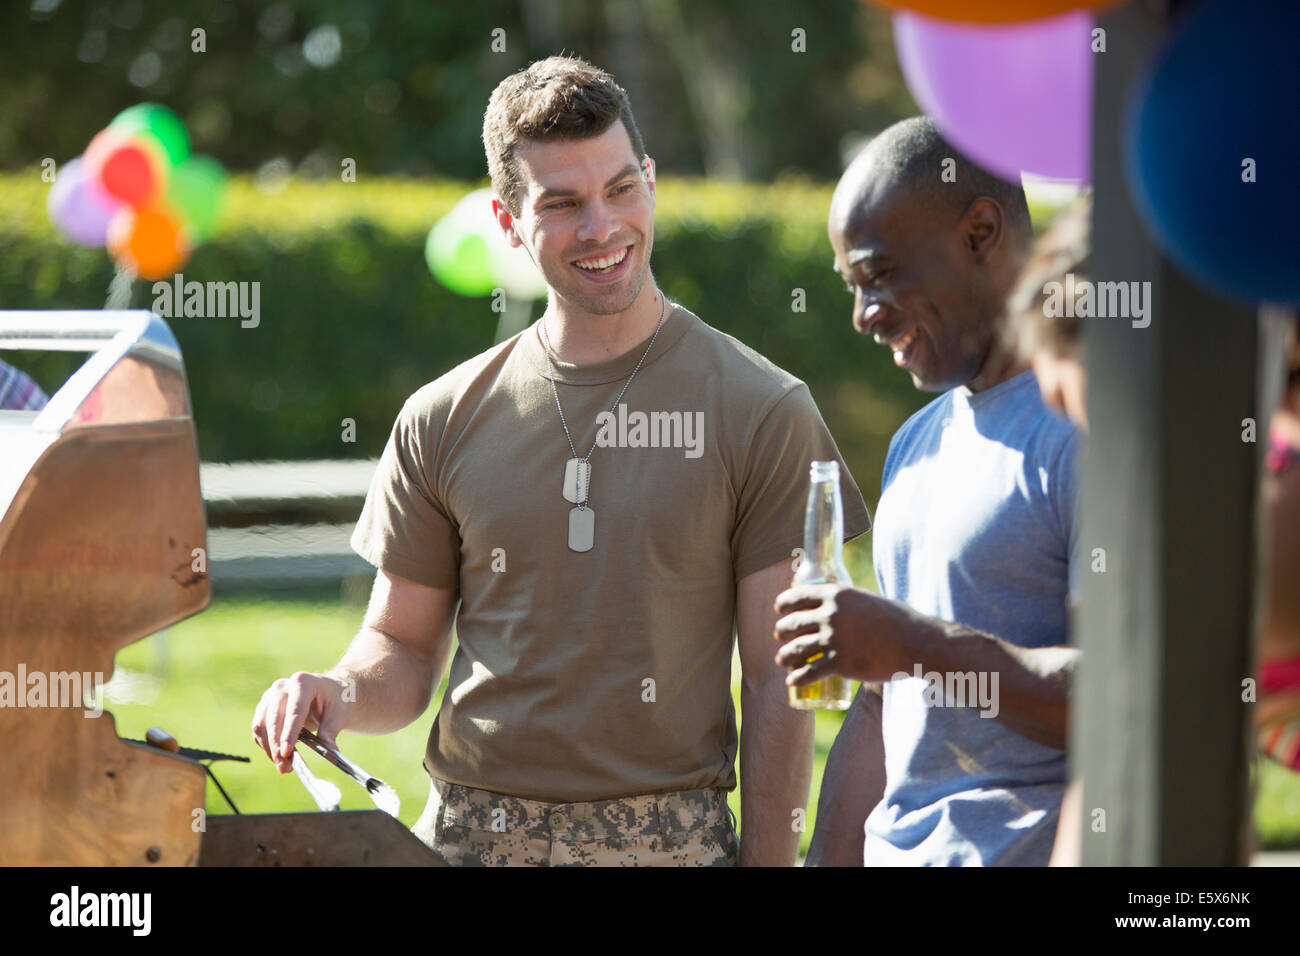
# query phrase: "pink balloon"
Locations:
[[1011, 97], [81, 211]]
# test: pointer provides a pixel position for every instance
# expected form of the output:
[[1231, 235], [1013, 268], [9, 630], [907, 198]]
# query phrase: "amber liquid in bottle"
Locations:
[[823, 563]]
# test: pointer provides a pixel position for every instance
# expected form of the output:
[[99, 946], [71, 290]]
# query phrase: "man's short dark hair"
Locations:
[[561, 97], [912, 154]]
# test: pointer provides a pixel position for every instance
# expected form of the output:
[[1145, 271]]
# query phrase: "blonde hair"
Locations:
[[1062, 250]]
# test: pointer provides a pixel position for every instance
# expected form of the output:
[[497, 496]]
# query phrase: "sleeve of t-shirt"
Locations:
[[773, 494], [404, 528], [1065, 480], [879, 565]]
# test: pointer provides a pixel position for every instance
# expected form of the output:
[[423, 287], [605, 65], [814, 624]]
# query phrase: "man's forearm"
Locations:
[[871, 638], [775, 768], [1026, 688], [852, 784], [390, 685]]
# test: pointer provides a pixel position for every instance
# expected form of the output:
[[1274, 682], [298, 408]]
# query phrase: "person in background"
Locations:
[[1053, 346], [1277, 716], [18, 392]]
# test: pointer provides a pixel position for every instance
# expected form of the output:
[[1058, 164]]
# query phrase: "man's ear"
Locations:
[[984, 226], [505, 221], [648, 164]]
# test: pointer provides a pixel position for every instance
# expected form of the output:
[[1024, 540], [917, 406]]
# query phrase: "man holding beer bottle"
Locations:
[[973, 540], [606, 494]]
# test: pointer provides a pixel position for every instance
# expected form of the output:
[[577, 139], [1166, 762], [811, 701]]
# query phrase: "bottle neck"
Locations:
[[824, 532]]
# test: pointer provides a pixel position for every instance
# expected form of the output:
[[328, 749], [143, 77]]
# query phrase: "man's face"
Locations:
[[916, 285], [587, 217]]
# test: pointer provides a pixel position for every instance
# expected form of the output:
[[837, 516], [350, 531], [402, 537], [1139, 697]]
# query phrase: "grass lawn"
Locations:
[[201, 680]]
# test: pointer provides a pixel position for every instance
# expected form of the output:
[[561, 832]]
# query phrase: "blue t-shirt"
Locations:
[[976, 524]]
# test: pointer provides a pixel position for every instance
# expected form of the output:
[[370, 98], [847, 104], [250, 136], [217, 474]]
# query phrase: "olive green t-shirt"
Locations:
[[592, 675]]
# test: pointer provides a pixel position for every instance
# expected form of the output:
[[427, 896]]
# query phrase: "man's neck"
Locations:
[[581, 338], [999, 366], [1001, 363]]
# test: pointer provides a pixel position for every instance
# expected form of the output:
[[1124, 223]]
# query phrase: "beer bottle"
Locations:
[[823, 563]]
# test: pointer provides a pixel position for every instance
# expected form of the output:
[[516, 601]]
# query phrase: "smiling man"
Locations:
[[588, 717], [961, 760]]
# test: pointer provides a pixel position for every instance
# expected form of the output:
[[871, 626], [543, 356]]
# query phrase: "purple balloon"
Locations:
[[81, 211], [1012, 98]]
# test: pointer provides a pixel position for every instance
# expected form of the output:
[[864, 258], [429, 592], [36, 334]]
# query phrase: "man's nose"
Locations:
[[868, 318], [597, 225]]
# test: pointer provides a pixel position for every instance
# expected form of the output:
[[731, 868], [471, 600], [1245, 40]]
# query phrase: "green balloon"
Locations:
[[459, 258], [159, 124], [195, 194]]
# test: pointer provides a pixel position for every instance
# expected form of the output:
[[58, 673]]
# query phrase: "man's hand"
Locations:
[[835, 629], [390, 671], [311, 700]]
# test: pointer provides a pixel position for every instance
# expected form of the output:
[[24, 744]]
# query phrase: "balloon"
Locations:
[[514, 268], [195, 193], [460, 261], [1211, 148], [77, 208], [1011, 98], [457, 249], [159, 126], [127, 169], [148, 241], [992, 11], [468, 253]]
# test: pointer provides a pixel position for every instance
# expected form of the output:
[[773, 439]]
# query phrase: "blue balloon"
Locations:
[[1212, 148]]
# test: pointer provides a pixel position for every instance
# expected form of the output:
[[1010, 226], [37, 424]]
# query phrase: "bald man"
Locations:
[[957, 757]]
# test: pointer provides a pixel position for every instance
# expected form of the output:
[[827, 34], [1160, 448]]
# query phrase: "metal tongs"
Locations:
[[326, 795], [384, 796]]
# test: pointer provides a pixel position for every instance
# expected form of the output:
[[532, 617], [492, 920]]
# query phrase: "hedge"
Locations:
[[352, 322]]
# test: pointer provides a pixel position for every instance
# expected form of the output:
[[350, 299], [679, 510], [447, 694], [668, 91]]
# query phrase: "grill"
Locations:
[[102, 529]]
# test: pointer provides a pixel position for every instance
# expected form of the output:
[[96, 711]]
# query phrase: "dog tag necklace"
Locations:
[[577, 471]]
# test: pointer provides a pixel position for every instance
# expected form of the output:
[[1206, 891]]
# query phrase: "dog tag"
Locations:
[[582, 529], [577, 480]]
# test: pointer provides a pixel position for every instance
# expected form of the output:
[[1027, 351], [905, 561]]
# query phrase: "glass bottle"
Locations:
[[823, 563]]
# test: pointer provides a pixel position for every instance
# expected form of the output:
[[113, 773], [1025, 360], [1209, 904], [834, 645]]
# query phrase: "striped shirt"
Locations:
[[18, 391]]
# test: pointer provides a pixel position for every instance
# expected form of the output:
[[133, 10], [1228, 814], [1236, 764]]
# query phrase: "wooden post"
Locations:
[[1159, 730]]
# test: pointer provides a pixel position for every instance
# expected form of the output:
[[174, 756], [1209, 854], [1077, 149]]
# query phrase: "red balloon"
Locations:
[[125, 168]]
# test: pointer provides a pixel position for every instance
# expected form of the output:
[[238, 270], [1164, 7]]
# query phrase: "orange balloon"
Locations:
[[148, 241], [992, 11]]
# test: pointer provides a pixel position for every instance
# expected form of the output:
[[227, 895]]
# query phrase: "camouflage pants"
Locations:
[[469, 827]]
